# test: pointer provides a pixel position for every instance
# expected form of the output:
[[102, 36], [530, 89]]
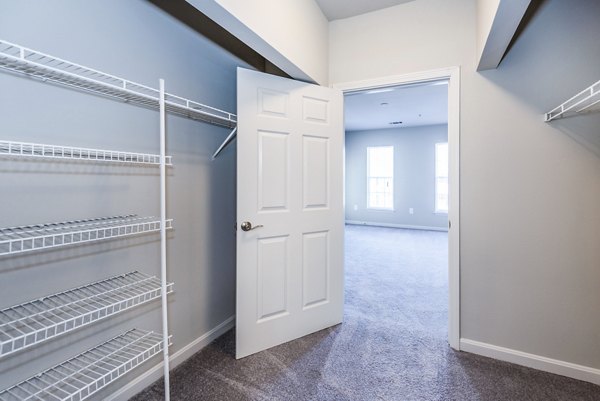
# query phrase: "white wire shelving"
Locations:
[[82, 376], [25, 325], [15, 240], [45, 151], [39, 65], [34, 322], [582, 102]]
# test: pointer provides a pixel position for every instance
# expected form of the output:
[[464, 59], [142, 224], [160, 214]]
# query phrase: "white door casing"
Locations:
[[290, 278]]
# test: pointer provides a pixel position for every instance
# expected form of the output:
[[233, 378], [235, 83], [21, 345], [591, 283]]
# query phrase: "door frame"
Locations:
[[452, 74]]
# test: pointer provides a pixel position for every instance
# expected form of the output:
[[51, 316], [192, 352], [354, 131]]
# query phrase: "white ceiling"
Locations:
[[413, 105], [338, 9]]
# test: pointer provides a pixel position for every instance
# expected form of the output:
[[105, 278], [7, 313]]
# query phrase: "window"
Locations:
[[441, 177], [380, 177]]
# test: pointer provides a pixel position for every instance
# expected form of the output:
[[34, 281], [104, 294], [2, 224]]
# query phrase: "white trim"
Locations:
[[392, 225], [393, 80], [452, 74], [454, 208], [543, 363], [141, 382]]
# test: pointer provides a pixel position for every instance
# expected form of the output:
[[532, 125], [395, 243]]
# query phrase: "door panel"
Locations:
[[273, 103], [290, 183], [273, 170], [316, 171], [272, 295], [315, 110], [315, 266]]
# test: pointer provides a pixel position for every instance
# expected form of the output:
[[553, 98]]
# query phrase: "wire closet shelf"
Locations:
[[39, 65], [15, 240], [584, 101], [80, 377], [34, 322], [44, 151]]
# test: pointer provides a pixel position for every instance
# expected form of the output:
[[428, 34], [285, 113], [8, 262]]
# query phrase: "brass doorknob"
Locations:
[[247, 226]]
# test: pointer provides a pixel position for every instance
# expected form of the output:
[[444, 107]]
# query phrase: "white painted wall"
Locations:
[[530, 221], [292, 34], [416, 36]]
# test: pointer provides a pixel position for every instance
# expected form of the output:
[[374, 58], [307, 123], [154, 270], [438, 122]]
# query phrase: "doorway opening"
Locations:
[[401, 198]]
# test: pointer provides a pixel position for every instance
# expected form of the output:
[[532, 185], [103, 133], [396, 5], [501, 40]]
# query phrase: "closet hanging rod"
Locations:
[[582, 101], [226, 142], [19, 59]]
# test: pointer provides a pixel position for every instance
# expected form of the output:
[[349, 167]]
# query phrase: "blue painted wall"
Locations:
[[135, 40], [414, 174]]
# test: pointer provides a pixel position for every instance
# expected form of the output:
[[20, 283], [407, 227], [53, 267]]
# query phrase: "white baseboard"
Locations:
[[141, 382], [375, 224], [555, 366]]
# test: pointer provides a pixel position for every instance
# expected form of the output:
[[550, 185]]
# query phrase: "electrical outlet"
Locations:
[[411, 210]]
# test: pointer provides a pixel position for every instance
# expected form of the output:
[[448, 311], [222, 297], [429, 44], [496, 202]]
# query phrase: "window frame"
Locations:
[[436, 209], [368, 177]]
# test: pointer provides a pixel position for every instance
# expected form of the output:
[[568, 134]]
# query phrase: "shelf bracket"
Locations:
[[581, 102], [226, 142]]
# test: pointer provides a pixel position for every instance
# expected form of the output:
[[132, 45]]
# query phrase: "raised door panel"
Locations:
[[272, 272], [315, 172], [273, 103], [315, 269], [315, 110], [273, 171]]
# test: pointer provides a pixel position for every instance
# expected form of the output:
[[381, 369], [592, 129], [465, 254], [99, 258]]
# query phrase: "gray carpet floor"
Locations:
[[391, 346]]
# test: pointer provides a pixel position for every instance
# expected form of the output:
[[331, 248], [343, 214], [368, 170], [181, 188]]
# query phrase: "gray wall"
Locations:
[[414, 175], [135, 40], [530, 221]]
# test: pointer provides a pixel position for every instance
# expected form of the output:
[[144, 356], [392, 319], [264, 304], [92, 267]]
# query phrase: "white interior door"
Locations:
[[290, 235]]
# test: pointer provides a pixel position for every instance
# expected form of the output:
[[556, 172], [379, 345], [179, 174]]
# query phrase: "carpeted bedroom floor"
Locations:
[[391, 346]]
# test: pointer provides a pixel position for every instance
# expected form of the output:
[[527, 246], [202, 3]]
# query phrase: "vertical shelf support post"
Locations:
[[163, 237]]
